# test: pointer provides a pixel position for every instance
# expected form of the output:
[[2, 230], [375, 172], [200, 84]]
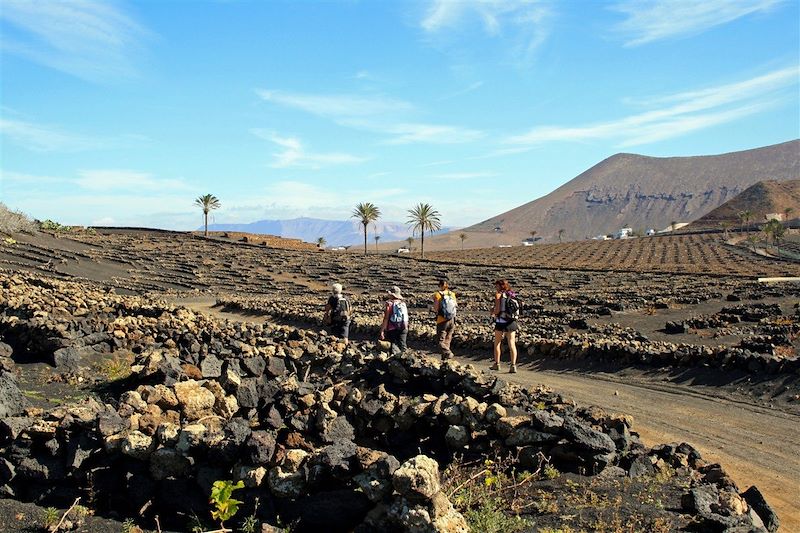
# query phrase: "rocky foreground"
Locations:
[[321, 434]]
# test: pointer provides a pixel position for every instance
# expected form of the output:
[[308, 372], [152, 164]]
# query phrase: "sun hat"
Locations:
[[395, 291], [337, 288]]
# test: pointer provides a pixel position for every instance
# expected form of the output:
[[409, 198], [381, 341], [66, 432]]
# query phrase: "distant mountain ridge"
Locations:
[[335, 232], [761, 199], [636, 191]]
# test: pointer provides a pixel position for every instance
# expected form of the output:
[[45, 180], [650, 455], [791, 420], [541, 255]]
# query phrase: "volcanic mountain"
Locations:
[[761, 199], [637, 191]]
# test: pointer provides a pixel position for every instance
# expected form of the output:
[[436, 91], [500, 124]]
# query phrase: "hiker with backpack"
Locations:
[[445, 307], [505, 313], [395, 321], [337, 313]]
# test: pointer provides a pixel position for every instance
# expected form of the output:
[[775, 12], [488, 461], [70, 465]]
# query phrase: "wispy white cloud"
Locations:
[[336, 106], [383, 115], [45, 138], [291, 198], [653, 20], [19, 182], [293, 154], [429, 133], [115, 180], [468, 89], [677, 114], [93, 40], [463, 176], [108, 197], [526, 24], [438, 163]]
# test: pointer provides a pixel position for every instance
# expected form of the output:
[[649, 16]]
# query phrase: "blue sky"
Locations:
[[122, 113]]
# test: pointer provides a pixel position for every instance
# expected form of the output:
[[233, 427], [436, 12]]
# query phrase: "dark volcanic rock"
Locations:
[[260, 447], [12, 402], [756, 500], [588, 438], [67, 359]]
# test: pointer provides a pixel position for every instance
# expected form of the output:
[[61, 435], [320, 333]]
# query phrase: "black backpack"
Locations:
[[341, 313], [510, 306]]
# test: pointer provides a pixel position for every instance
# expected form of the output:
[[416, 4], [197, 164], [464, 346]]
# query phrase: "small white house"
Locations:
[[650, 232], [776, 216], [623, 233], [601, 238], [403, 251]]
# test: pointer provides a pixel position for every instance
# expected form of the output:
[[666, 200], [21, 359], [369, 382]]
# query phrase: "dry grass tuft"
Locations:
[[15, 221]]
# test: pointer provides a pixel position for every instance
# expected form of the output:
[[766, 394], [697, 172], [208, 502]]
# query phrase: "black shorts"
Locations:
[[340, 329], [506, 326]]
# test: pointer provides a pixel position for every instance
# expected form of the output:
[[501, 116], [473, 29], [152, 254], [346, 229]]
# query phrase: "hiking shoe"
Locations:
[[446, 356], [513, 369], [494, 366]]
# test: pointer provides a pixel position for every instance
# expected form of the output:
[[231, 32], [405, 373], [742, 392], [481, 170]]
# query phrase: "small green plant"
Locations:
[[129, 526], [114, 368], [490, 517], [249, 524], [51, 518], [224, 505], [550, 472]]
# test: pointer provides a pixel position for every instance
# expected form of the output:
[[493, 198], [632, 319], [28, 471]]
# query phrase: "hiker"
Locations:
[[337, 313], [505, 313], [395, 321], [444, 307]]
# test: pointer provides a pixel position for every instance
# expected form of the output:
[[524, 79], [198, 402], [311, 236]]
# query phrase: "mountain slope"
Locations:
[[335, 232], [762, 198], [638, 191]]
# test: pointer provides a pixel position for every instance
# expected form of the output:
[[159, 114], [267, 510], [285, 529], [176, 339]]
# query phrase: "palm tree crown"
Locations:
[[422, 218], [366, 212], [208, 202]]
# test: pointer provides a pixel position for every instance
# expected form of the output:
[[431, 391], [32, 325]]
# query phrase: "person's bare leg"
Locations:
[[512, 347], [498, 339]]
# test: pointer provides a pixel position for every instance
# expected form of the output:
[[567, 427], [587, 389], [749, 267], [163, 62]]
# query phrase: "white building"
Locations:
[[623, 233]]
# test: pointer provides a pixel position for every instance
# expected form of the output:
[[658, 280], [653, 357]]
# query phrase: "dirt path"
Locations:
[[756, 445]]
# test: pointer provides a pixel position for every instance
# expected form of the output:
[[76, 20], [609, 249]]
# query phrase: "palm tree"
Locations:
[[366, 213], [377, 238], [747, 216], [207, 202], [410, 242], [560, 233], [786, 214], [463, 237], [423, 217], [321, 242], [774, 230], [533, 235], [725, 225]]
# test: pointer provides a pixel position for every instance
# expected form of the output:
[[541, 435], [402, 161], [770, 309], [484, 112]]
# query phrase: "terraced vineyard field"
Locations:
[[682, 254], [717, 330]]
